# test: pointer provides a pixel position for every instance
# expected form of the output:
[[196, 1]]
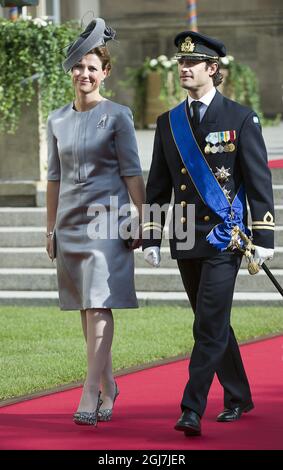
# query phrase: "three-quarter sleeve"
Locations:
[[53, 170], [126, 144]]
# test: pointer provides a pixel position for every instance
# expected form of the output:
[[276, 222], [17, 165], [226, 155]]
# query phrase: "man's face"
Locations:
[[195, 75]]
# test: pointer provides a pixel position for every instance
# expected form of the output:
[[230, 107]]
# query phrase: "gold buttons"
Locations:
[[184, 171], [183, 220], [183, 203], [206, 218], [183, 187]]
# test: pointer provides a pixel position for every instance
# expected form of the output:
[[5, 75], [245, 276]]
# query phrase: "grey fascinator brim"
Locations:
[[96, 34]]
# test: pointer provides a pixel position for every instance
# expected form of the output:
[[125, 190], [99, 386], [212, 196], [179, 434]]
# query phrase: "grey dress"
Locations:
[[90, 152]]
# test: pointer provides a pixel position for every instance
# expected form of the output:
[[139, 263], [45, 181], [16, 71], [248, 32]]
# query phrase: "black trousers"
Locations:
[[209, 283]]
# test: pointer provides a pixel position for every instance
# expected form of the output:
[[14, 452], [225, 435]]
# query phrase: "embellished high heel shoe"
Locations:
[[106, 415], [88, 417]]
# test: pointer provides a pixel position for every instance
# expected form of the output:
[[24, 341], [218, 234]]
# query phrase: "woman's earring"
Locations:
[[102, 85]]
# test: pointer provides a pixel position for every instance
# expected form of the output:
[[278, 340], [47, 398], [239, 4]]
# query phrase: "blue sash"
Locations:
[[206, 183]]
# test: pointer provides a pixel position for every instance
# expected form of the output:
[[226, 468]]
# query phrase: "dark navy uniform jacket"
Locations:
[[247, 164]]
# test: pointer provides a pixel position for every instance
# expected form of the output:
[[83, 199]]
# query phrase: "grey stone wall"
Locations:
[[252, 31], [77, 10]]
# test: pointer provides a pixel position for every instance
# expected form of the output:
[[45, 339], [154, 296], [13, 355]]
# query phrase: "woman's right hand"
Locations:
[[50, 248]]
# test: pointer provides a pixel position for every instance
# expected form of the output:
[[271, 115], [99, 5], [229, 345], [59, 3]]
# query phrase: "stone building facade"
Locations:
[[252, 32]]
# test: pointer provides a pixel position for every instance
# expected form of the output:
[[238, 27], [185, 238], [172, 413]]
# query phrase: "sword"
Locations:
[[248, 250], [272, 278]]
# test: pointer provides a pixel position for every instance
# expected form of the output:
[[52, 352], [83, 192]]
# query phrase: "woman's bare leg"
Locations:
[[107, 379], [99, 334], [107, 385]]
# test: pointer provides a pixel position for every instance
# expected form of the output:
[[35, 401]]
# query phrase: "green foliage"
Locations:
[[33, 48], [242, 86]]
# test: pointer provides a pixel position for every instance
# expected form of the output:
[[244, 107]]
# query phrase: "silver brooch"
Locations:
[[102, 122]]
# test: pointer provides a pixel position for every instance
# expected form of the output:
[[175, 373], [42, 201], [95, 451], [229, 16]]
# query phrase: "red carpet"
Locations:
[[275, 163], [148, 408]]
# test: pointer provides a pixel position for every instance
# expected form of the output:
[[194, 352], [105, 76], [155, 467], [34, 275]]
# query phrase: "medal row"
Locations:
[[219, 148]]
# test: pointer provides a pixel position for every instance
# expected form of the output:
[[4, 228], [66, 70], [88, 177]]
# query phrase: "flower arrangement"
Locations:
[[241, 84], [170, 91]]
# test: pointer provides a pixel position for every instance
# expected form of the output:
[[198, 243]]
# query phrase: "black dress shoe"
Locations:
[[189, 423], [232, 414]]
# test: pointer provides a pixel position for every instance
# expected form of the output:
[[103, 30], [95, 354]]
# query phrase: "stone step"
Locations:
[[168, 262], [22, 236], [50, 298], [22, 216], [278, 214], [277, 175], [161, 278], [36, 257], [147, 279], [35, 236], [36, 217], [278, 236], [278, 193]]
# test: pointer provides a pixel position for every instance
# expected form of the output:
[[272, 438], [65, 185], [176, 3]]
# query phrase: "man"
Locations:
[[210, 151]]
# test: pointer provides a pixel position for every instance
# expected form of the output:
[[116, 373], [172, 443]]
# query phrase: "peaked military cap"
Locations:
[[198, 46], [96, 34]]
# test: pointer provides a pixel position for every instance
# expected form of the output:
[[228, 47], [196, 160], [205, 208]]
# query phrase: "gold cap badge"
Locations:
[[187, 45]]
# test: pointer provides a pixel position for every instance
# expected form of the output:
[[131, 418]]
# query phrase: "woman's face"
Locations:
[[87, 74]]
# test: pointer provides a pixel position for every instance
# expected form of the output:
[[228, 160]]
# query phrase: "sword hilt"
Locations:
[[248, 250]]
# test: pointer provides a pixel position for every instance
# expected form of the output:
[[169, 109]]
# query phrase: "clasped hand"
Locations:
[[152, 255], [261, 254]]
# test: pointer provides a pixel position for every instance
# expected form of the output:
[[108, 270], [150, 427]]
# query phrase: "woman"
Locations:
[[92, 161]]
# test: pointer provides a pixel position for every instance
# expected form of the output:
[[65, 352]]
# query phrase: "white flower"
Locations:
[[224, 60], [39, 22], [162, 58], [153, 63], [167, 64]]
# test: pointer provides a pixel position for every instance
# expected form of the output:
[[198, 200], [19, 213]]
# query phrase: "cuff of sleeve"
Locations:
[[264, 238], [131, 173], [152, 234]]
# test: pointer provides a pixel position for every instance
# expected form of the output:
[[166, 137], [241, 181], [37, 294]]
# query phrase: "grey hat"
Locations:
[[96, 34]]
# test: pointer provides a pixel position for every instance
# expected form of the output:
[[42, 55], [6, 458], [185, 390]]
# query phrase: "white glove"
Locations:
[[262, 254], [152, 255]]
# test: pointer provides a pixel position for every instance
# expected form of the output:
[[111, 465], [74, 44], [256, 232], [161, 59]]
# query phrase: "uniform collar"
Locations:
[[205, 99]]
